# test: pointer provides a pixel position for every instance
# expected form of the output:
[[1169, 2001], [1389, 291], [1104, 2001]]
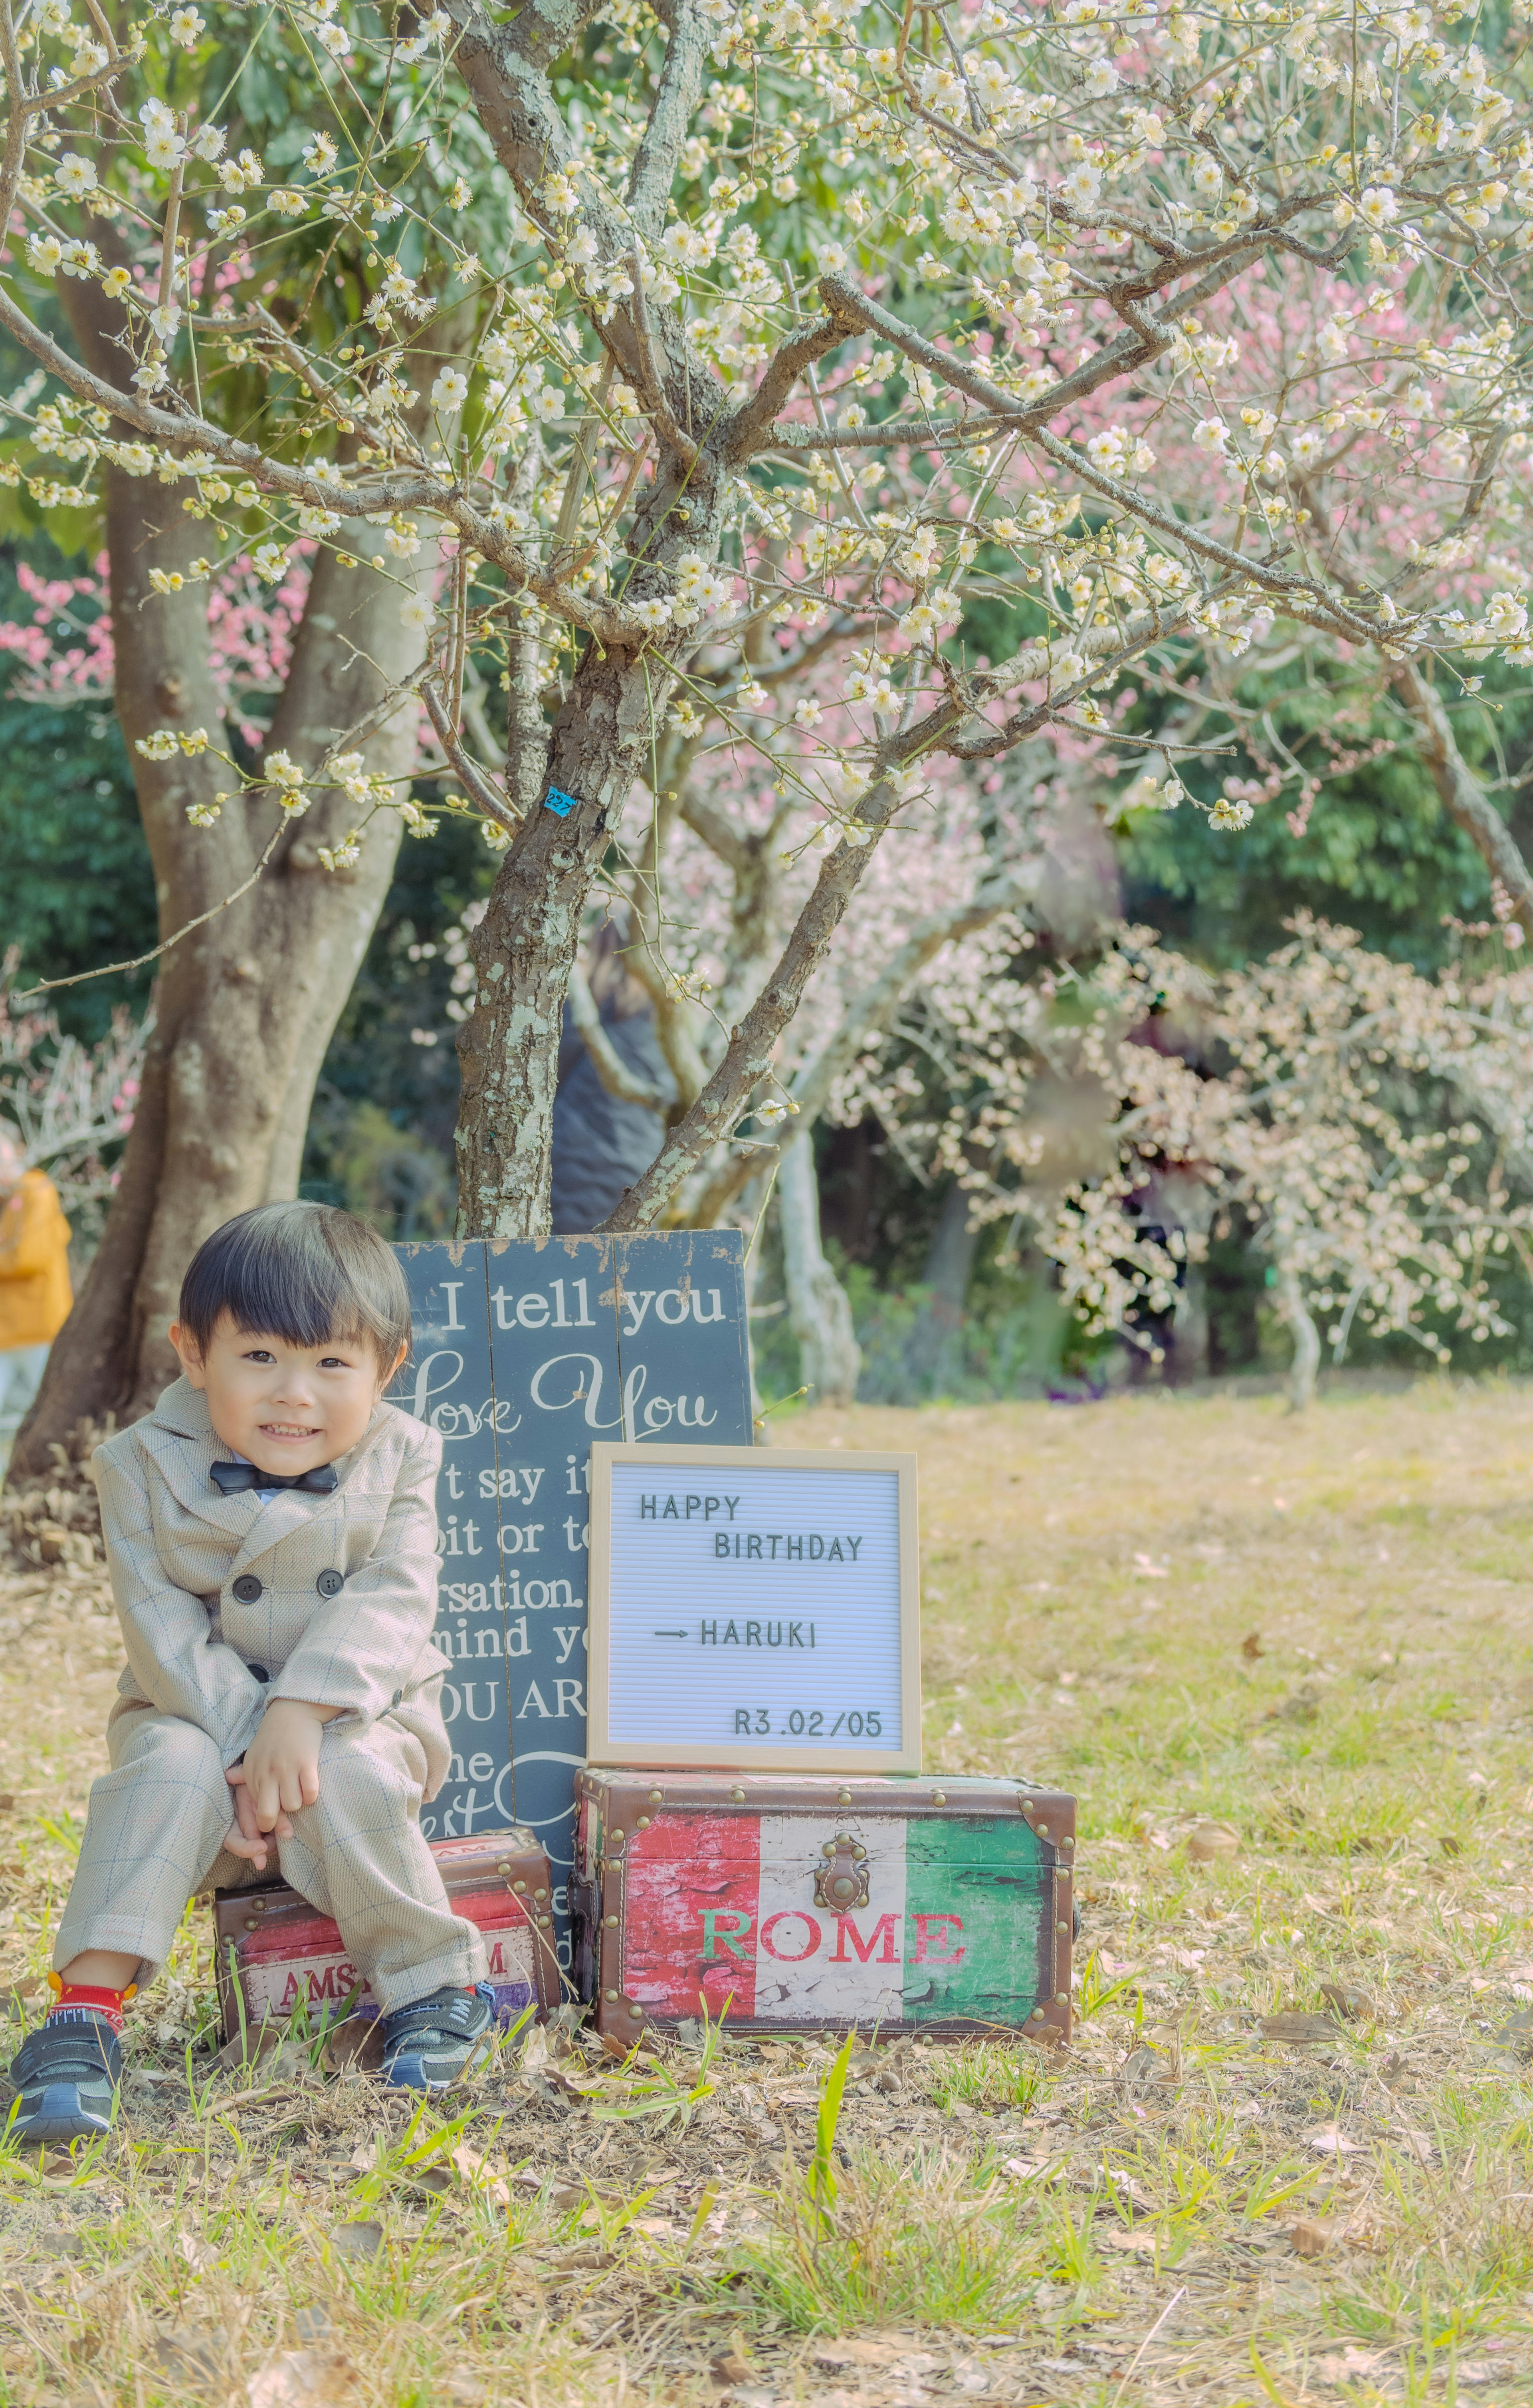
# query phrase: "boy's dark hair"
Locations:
[[303, 1272]]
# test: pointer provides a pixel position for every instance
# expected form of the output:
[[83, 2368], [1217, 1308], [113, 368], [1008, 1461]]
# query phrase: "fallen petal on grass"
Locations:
[[303, 2378], [1206, 1842], [1331, 2141], [1313, 2235], [1299, 2030], [1346, 1998]]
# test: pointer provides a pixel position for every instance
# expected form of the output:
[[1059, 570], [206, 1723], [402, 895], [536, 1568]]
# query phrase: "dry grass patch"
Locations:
[[1284, 1665]]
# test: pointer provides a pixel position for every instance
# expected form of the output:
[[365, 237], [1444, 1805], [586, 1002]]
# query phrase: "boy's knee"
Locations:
[[175, 1753], [362, 1789]]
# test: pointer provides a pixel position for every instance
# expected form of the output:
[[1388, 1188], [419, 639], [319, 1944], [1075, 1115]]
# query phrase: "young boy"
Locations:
[[271, 1530]]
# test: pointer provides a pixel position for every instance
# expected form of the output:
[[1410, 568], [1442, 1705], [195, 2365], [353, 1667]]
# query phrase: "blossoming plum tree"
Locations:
[[1372, 1124], [66, 1106], [632, 373]]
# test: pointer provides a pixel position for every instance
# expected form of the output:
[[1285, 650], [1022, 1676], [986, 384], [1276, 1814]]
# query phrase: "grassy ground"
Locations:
[[1239, 2186]]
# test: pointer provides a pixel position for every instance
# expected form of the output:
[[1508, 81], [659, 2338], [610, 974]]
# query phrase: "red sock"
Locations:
[[72, 2001]]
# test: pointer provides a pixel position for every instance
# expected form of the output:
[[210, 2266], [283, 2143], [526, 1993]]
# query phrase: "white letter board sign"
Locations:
[[753, 1609]]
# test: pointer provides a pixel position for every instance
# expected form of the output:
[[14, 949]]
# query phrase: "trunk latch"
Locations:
[[841, 1882]]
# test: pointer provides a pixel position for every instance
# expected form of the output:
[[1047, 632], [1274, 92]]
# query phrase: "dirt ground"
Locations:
[[1284, 1665]]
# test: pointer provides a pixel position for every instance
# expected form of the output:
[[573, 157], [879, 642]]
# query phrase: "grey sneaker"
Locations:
[[427, 2045], [67, 2074]]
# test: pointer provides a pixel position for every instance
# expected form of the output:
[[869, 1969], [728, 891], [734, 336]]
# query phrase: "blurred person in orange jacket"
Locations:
[[34, 1292]]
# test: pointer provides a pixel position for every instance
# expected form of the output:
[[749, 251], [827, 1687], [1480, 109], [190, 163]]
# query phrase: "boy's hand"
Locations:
[[282, 1768], [244, 1837]]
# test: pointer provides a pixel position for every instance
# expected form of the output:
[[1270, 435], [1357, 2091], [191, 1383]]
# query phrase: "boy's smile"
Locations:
[[285, 1407]]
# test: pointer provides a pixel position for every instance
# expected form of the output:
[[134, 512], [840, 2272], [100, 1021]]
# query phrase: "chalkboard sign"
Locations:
[[523, 1355], [755, 1611]]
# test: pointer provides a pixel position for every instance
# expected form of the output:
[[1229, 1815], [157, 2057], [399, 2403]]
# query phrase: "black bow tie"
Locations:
[[233, 1477]]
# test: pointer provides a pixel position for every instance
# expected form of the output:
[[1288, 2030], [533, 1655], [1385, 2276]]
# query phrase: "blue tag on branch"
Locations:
[[560, 804]]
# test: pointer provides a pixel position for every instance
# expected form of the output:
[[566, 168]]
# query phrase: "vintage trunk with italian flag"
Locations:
[[800, 1901]]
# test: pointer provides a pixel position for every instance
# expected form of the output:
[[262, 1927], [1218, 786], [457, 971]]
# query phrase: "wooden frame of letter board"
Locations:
[[601, 1748]]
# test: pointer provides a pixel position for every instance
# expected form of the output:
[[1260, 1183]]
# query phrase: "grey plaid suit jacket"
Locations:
[[177, 1548]]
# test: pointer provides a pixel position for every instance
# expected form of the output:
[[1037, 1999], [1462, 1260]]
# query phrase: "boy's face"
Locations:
[[287, 1408]]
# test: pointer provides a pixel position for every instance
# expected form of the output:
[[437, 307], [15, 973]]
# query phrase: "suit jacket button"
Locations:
[[331, 1584], [247, 1588]]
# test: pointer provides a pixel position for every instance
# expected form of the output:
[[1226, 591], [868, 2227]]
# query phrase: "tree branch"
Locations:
[[660, 146], [874, 1008], [608, 1064], [326, 488], [476, 782], [928, 433], [842, 300], [650, 377], [642, 956], [782, 373], [747, 1056], [1460, 792], [706, 820]]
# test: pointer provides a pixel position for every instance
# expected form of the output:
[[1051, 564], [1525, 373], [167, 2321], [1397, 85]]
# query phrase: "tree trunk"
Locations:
[[523, 950], [246, 1005], [526, 730], [934, 1349], [1291, 1307], [1189, 1348], [524, 947], [753, 1204], [818, 1309], [1460, 792]]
